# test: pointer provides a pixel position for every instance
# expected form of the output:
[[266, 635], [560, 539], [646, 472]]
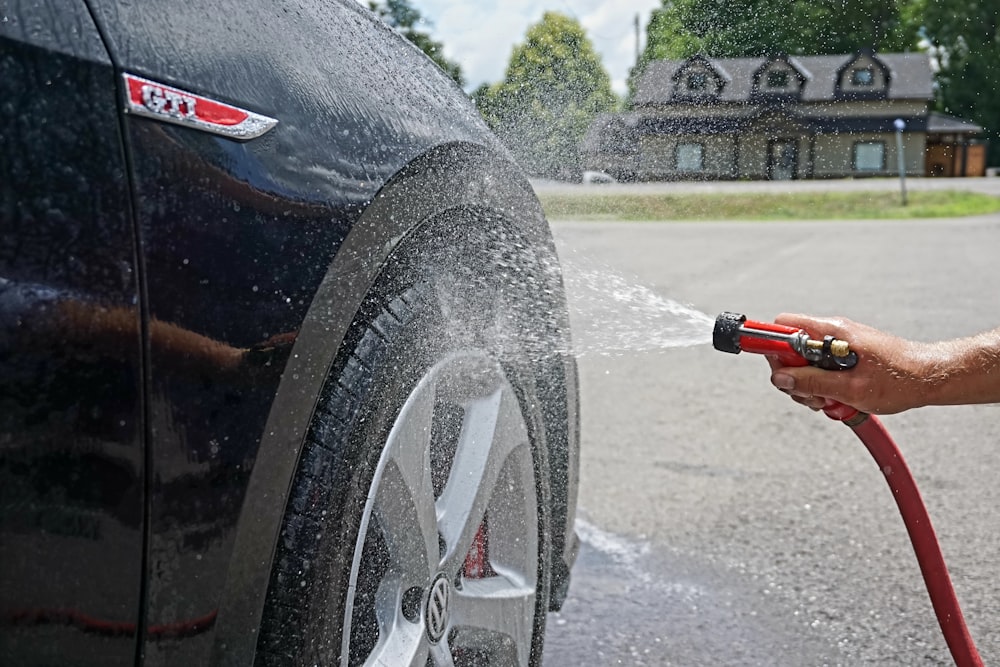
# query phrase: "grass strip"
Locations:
[[761, 206]]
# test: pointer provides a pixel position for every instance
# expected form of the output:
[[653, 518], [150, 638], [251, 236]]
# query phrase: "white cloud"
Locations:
[[480, 34]]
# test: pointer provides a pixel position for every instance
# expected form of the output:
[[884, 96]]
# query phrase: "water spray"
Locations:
[[734, 333]]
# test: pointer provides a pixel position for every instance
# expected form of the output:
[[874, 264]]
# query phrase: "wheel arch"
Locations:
[[450, 176]]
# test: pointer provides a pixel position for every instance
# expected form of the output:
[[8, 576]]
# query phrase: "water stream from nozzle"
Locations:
[[611, 313]]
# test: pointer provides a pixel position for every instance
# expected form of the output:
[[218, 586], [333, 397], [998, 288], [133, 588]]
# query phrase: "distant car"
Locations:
[[598, 177], [284, 369]]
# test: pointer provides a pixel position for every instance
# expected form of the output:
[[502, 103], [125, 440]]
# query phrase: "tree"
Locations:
[[741, 28], [964, 37], [554, 86], [737, 28], [405, 18]]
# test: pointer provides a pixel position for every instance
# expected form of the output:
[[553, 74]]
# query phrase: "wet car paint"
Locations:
[[213, 263], [71, 469]]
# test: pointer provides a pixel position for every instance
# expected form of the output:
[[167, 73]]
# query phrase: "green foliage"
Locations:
[[737, 28], [399, 14], [554, 85], [764, 206], [965, 38]]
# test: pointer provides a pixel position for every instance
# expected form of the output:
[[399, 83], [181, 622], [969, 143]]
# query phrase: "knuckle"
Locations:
[[856, 390], [805, 385]]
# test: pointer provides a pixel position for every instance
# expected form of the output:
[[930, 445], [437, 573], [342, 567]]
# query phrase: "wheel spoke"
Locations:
[[441, 654], [405, 644], [404, 500], [493, 429], [486, 468], [494, 612]]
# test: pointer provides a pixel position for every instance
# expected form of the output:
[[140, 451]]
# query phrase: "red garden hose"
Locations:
[[734, 333], [890, 461]]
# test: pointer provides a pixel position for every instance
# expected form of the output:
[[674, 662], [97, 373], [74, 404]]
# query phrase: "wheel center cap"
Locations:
[[436, 611]]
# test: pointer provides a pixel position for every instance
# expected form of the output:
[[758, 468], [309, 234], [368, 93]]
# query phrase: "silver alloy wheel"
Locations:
[[430, 496]]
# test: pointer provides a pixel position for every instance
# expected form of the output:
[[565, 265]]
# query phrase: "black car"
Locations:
[[284, 363]]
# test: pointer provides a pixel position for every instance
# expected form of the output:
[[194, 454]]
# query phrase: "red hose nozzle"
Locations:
[[734, 333]]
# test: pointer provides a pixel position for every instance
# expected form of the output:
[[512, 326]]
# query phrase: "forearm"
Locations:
[[964, 371]]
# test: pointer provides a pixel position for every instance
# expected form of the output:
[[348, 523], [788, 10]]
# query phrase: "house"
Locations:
[[783, 117]]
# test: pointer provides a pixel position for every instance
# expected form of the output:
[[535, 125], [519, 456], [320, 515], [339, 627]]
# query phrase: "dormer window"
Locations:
[[697, 82], [777, 79], [862, 76]]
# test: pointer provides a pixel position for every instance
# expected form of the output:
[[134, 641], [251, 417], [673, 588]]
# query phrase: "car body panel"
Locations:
[[236, 237], [241, 250], [71, 456]]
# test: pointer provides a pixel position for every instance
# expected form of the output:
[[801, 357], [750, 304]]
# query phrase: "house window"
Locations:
[[697, 82], [689, 156], [869, 156], [777, 79], [862, 76]]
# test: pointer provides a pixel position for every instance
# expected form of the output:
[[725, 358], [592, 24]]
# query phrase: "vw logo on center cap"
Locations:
[[436, 612]]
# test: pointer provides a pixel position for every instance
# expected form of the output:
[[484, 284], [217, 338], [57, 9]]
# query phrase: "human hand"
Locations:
[[892, 374]]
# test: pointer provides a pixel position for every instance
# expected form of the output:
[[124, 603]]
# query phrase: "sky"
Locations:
[[480, 34]]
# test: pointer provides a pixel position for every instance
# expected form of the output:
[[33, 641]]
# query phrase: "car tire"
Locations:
[[417, 529]]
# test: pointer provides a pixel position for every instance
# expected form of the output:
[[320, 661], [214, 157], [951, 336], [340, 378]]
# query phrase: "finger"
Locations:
[[816, 326], [811, 402], [807, 381], [773, 362]]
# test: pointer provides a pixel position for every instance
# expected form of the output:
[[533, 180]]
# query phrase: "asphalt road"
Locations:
[[725, 525]]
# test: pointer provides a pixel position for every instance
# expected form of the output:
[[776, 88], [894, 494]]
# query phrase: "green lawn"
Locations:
[[758, 206]]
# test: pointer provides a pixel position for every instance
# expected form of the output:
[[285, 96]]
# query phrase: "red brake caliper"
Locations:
[[477, 561]]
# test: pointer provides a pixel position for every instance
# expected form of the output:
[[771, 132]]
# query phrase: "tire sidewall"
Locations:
[[428, 303]]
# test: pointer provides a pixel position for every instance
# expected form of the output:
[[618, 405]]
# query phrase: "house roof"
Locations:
[[944, 124], [910, 77]]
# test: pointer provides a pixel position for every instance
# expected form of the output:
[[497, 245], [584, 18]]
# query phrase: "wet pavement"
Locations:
[[733, 527], [633, 605]]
